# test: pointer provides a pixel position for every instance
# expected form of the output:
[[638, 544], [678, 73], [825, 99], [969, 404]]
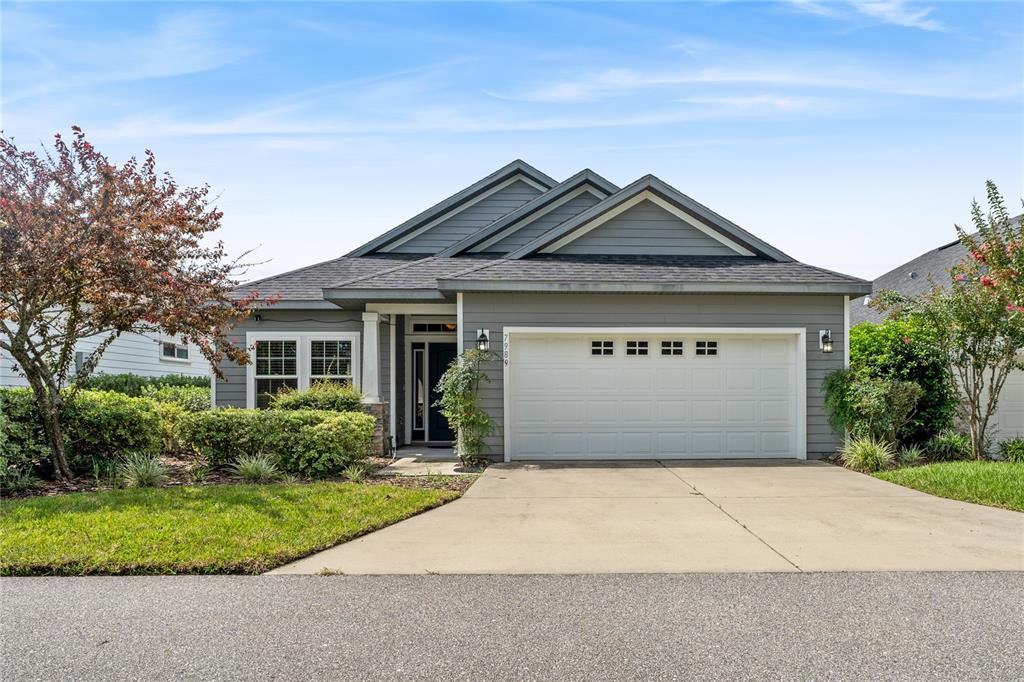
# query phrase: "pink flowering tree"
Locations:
[[997, 251], [92, 249], [975, 317]]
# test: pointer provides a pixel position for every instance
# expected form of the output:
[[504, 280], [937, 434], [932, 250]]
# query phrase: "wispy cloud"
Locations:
[[944, 82], [894, 12], [55, 57]]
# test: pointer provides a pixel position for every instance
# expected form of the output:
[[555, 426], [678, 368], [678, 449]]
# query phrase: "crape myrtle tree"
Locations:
[[93, 249], [977, 319], [996, 250]]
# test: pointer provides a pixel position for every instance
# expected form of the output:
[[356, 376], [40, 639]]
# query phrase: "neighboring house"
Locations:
[[915, 278], [628, 322], [148, 355]]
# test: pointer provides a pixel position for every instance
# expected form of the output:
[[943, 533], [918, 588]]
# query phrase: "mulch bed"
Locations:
[[180, 468]]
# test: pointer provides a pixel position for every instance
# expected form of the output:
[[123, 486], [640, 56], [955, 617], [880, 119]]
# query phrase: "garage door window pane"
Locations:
[[672, 348], [602, 348], [636, 348], [706, 348]]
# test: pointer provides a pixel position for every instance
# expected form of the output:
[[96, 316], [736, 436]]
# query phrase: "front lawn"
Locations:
[[997, 484], [209, 529]]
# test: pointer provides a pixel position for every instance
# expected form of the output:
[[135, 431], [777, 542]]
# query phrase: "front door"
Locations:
[[439, 356]]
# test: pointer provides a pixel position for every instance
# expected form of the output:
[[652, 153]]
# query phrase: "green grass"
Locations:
[[212, 529], [997, 484]]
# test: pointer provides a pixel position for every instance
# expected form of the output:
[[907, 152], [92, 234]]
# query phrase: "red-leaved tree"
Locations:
[[93, 249]]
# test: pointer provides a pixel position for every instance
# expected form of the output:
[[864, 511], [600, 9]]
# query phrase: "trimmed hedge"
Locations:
[[133, 384], [322, 395], [189, 398], [307, 442], [97, 425], [23, 443]]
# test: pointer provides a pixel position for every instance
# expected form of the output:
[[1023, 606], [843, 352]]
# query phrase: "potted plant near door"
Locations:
[[460, 404]]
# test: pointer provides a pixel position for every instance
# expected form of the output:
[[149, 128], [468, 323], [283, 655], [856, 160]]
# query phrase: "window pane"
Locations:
[[265, 388], [168, 350], [330, 358], [182, 352]]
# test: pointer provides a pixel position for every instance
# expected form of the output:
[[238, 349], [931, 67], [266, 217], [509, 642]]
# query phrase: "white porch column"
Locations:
[[371, 357]]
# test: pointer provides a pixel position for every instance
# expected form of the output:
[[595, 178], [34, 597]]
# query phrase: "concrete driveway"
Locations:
[[680, 517]]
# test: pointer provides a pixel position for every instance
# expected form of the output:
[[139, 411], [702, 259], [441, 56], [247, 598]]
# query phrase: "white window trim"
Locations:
[[302, 340], [800, 350], [177, 344]]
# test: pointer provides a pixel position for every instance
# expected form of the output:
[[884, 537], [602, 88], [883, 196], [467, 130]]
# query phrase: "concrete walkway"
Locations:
[[679, 517]]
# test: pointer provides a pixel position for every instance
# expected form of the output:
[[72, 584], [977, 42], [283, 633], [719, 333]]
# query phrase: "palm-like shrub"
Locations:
[[256, 469], [911, 455], [141, 470], [1012, 450], [867, 454], [948, 446]]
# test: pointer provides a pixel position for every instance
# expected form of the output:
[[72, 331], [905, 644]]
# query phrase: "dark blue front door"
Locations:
[[440, 355]]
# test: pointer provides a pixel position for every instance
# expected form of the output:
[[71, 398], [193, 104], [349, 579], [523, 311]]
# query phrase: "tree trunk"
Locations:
[[50, 406]]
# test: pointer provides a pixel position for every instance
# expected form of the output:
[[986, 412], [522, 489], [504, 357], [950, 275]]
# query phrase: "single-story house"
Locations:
[[147, 355], [915, 278], [628, 322]]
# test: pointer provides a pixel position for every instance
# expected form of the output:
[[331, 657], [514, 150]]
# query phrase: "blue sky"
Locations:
[[851, 135]]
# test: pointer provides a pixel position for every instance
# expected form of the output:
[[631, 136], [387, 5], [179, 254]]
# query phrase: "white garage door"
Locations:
[[611, 396]]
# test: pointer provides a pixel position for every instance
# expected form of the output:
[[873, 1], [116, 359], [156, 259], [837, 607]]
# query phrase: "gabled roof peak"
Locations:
[[503, 174]]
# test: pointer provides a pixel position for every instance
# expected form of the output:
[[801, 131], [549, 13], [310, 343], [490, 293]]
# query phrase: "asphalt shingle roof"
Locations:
[[655, 269], [419, 274], [306, 284]]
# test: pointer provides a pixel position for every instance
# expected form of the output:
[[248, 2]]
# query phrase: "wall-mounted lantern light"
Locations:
[[825, 340], [257, 317], [483, 339]]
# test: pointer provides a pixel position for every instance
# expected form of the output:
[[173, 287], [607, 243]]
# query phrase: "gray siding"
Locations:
[[527, 233], [469, 220], [494, 311], [645, 229], [231, 389]]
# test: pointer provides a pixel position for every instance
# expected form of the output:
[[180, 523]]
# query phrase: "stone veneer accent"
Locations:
[[380, 431]]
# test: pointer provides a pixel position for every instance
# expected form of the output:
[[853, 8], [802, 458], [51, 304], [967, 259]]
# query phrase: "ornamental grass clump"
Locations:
[[1012, 450], [867, 454], [140, 470], [256, 469], [949, 446]]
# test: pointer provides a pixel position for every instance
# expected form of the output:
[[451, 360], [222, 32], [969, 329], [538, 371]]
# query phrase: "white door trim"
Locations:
[[801, 364]]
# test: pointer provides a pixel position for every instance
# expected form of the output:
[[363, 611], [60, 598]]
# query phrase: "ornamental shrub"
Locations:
[[97, 425], [904, 350], [23, 443], [222, 436], [867, 407], [330, 446], [1012, 450], [132, 384], [306, 442], [107, 424], [949, 445], [190, 398], [322, 395]]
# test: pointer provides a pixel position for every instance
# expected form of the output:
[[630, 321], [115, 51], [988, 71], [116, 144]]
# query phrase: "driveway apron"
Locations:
[[682, 517]]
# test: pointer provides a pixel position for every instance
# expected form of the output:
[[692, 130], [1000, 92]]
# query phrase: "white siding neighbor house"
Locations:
[[148, 355]]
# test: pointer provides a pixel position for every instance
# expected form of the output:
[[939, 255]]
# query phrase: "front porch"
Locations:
[[406, 348]]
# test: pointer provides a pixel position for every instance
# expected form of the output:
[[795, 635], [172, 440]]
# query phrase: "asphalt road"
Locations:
[[913, 626]]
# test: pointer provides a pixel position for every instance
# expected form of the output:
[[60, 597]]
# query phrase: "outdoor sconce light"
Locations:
[[257, 317], [825, 340], [483, 339]]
